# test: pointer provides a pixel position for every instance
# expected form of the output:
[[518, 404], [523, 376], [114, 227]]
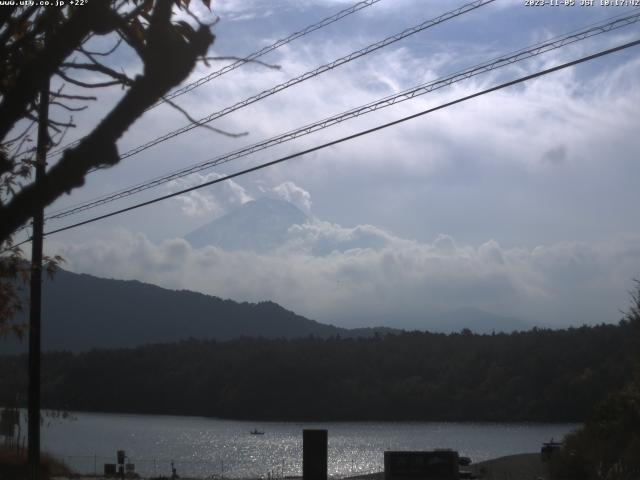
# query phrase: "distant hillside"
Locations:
[[83, 312]]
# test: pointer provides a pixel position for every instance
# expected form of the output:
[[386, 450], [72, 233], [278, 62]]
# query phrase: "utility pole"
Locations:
[[33, 448]]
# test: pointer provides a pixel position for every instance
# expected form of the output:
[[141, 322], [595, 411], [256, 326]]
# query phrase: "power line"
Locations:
[[344, 139], [352, 56], [351, 137], [253, 56], [311, 74], [249, 58], [498, 62]]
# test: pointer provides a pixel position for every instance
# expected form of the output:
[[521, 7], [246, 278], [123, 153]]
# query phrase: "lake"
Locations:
[[205, 447]]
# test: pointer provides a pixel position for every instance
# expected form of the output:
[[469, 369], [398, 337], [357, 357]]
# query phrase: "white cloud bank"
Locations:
[[391, 280]]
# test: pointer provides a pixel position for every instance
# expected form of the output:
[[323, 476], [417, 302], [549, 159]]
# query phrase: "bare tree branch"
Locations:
[[168, 58], [73, 97], [56, 143], [97, 67], [53, 124], [19, 136], [60, 44], [17, 150], [67, 107], [200, 124], [102, 54], [85, 84], [130, 37]]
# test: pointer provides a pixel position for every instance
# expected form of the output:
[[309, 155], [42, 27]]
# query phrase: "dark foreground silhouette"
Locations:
[[539, 375]]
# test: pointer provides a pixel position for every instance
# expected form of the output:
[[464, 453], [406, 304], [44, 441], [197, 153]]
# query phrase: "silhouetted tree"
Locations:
[[608, 445], [39, 43], [544, 375]]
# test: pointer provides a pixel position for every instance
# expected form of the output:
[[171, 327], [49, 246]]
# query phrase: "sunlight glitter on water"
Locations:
[[205, 447]]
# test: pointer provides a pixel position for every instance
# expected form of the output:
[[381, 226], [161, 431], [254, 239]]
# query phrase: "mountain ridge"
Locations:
[[81, 312]]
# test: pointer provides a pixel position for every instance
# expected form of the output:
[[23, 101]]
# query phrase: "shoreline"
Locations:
[[521, 466], [288, 420]]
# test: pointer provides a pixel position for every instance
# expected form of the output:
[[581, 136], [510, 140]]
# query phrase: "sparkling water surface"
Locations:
[[207, 447]]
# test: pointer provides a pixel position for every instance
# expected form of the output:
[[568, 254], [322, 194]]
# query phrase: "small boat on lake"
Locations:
[[255, 431]]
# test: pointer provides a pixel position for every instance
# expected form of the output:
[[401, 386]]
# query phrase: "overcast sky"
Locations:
[[522, 203]]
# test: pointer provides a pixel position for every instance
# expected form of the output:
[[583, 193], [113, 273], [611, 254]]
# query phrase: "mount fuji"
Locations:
[[259, 225]]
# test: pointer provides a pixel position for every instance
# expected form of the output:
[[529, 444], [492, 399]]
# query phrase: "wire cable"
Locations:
[[253, 56], [350, 137], [310, 74], [249, 58], [498, 62]]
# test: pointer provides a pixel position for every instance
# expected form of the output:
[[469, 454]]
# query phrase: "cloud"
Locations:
[[507, 135], [292, 193], [382, 278], [555, 155], [208, 202], [320, 238], [238, 10]]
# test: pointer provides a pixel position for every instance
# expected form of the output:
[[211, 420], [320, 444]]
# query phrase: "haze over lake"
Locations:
[[204, 446]]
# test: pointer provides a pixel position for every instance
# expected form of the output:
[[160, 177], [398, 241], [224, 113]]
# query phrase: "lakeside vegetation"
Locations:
[[13, 465], [607, 446], [539, 375]]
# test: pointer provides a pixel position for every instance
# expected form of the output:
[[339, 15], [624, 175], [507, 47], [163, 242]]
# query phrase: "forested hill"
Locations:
[[81, 312], [541, 375]]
